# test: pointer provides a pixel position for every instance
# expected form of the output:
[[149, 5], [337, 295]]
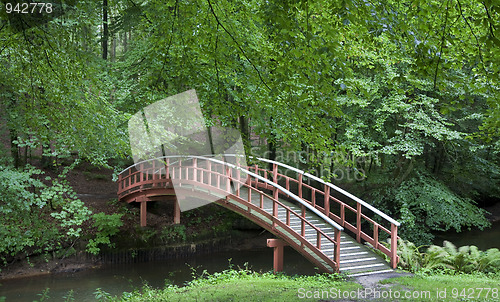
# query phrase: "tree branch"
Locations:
[[474, 34], [237, 44], [442, 43], [491, 27]]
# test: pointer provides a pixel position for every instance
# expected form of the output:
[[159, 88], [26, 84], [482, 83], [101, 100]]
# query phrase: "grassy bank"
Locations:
[[245, 285], [239, 285]]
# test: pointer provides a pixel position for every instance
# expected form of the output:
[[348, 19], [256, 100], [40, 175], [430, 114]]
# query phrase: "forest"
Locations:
[[402, 96]]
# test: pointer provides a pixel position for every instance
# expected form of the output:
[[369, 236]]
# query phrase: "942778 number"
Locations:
[[474, 293], [28, 8]]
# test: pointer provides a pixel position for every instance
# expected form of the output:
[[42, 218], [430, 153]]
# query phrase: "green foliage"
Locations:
[[424, 204], [173, 233], [448, 258], [101, 295], [107, 226], [239, 284], [27, 208]]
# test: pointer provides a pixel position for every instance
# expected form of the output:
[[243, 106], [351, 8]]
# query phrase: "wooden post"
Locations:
[[238, 184], [256, 172], [342, 214], [177, 212], [278, 246], [375, 236], [195, 170], [337, 250], [275, 180], [228, 180], [394, 245], [141, 175], [327, 200], [144, 210], [300, 186], [209, 169], [358, 222], [120, 184]]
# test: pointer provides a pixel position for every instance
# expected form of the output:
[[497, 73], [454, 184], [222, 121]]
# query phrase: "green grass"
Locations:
[[243, 285], [463, 287]]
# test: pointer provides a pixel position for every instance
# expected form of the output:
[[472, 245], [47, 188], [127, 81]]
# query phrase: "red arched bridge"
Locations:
[[324, 223]]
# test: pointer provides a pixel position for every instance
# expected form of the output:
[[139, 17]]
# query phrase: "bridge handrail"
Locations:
[[357, 199], [277, 186]]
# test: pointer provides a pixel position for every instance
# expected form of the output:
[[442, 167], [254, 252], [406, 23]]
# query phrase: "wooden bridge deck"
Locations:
[[355, 258]]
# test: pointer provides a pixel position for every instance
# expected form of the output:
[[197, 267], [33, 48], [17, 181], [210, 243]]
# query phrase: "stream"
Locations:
[[118, 278]]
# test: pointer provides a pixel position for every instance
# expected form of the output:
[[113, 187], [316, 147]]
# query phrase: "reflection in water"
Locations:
[[116, 279], [486, 239]]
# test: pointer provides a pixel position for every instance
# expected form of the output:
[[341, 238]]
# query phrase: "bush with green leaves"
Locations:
[[35, 217], [174, 233], [107, 226], [424, 204]]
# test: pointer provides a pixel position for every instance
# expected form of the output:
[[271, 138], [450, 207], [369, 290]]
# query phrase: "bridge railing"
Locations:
[[327, 200], [226, 179]]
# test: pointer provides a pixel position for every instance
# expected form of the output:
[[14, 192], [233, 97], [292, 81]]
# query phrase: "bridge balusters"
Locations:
[[375, 235], [318, 239], [288, 217]]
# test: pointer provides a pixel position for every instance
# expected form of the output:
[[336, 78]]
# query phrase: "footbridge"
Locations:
[[330, 227]]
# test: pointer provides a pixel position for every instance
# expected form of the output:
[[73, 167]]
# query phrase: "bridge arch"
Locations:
[[309, 226]]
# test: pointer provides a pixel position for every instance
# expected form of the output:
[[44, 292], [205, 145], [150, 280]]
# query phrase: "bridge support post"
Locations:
[[177, 212], [144, 209], [394, 245], [278, 245]]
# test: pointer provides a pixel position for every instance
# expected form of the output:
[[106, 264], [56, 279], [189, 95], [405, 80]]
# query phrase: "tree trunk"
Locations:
[[14, 150], [245, 134], [113, 49], [271, 144], [105, 32], [125, 42]]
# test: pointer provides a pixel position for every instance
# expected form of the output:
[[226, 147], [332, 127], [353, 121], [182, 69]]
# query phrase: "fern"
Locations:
[[465, 259]]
